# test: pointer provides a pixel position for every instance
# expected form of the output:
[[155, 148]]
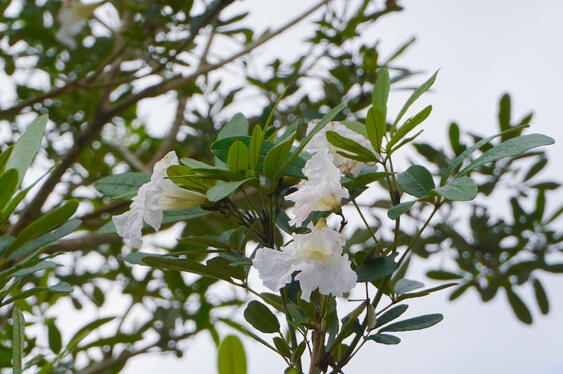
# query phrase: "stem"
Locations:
[[365, 221]]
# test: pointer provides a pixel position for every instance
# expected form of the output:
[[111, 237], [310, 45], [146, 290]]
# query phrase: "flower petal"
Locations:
[[274, 267]]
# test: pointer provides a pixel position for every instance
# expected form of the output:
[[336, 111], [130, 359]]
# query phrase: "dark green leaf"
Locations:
[[282, 346], [376, 268], [380, 93], [541, 296], [26, 147], [223, 189], [237, 158], [415, 95], [459, 159], [237, 126], [184, 265], [255, 147], [409, 125], [9, 181], [261, 318], [125, 184], [518, 306], [55, 339], [504, 113], [391, 314], [43, 240], [416, 181], [510, 148], [170, 216], [416, 323], [443, 275], [459, 189], [399, 209], [275, 158], [384, 339], [18, 339], [350, 145]]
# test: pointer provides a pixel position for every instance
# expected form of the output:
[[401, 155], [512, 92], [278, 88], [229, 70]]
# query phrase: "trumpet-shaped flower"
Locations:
[[152, 198], [72, 18], [319, 142], [318, 258], [321, 191]]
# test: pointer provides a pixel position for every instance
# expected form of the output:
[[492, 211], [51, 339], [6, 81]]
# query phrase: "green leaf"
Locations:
[[409, 125], [350, 145], [35, 268], [459, 189], [46, 223], [510, 148], [541, 297], [243, 330], [4, 158], [414, 96], [356, 126], [504, 113], [380, 93], [221, 265], [376, 127], [453, 133], [443, 275], [61, 287], [121, 184], [26, 147], [282, 347], [237, 126], [518, 306], [416, 323], [43, 240], [416, 181], [223, 189], [231, 358], [536, 168], [18, 339], [261, 318], [85, 331], [425, 292], [237, 159], [391, 314], [406, 285], [9, 181], [275, 158], [55, 339], [255, 147], [366, 176], [384, 339], [399, 209], [376, 268], [459, 159]]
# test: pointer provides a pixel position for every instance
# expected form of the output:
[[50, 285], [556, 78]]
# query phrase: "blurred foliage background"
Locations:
[[130, 51]]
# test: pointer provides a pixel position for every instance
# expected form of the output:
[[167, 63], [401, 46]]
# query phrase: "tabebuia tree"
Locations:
[[274, 193]]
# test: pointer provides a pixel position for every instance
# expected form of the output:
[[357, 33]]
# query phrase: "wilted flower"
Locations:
[[319, 141], [152, 198], [318, 258], [321, 191], [72, 18]]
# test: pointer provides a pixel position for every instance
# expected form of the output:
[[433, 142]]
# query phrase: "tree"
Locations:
[[96, 73]]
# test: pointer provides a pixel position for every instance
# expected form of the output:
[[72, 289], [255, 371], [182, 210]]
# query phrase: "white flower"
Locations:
[[72, 18], [152, 198], [319, 141], [321, 191], [318, 258]]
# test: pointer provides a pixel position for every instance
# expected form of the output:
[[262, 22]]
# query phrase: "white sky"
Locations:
[[483, 48]]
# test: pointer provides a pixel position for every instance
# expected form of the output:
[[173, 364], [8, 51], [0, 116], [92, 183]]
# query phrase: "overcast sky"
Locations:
[[483, 48]]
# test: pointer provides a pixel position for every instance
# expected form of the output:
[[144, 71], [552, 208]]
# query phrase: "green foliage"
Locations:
[[261, 318], [231, 358]]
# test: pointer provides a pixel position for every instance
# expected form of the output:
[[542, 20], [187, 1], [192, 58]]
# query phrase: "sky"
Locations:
[[483, 49]]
